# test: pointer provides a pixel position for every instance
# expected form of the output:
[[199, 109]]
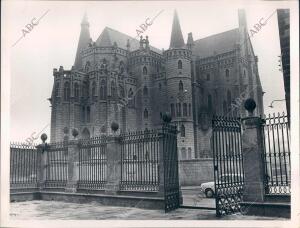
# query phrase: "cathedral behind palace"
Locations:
[[122, 79]]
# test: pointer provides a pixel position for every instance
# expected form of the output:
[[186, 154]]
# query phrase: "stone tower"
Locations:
[[179, 88]]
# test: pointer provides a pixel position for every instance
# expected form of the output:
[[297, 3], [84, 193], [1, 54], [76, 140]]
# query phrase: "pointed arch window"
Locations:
[[103, 90], [180, 86], [85, 89], [83, 114], [121, 67], [145, 91], [145, 71], [172, 110], [228, 97], [244, 73], [227, 73], [130, 93], [182, 131], [183, 153], [122, 92], [189, 153], [229, 100], [76, 91], [178, 109], [185, 111], [145, 114], [208, 77], [113, 89], [94, 89], [88, 114], [190, 109], [87, 66], [66, 91], [216, 99], [224, 108], [209, 102], [179, 64], [56, 89]]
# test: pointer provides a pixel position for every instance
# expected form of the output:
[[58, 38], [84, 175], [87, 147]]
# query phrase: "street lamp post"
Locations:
[[271, 105]]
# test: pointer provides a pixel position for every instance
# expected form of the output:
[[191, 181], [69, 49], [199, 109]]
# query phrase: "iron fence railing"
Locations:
[[226, 145], [56, 165], [139, 160], [23, 166], [93, 163], [276, 141], [171, 175]]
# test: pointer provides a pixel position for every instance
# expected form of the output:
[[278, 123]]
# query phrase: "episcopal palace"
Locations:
[[117, 78]]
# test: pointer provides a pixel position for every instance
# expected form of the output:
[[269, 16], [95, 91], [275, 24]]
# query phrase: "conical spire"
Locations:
[[176, 35], [84, 40]]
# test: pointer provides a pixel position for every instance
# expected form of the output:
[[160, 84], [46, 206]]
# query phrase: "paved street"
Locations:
[[40, 210], [192, 197]]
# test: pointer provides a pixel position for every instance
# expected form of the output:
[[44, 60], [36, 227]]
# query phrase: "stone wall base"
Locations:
[[24, 196], [268, 209], [107, 200]]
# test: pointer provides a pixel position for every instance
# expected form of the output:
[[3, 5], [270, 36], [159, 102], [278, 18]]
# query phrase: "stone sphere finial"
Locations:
[[66, 130], [114, 126], [103, 129], [75, 132], [44, 137], [167, 117], [250, 105]]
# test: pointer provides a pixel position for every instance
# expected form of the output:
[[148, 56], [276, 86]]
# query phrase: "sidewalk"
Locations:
[[41, 210]]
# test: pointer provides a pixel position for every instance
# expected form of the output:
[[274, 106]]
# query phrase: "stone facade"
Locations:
[[118, 78]]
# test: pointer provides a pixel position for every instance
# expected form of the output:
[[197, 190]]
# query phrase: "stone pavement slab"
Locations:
[[48, 210]]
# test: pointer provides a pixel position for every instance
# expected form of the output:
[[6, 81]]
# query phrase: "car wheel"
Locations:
[[209, 193]]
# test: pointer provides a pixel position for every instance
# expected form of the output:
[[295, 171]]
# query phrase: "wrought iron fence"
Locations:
[[93, 163], [56, 165], [228, 164], [171, 176], [139, 160], [23, 166], [276, 140]]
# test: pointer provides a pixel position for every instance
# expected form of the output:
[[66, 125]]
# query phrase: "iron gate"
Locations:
[[228, 164], [170, 159]]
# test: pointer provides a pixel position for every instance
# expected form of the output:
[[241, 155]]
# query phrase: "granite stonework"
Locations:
[[255, 201]]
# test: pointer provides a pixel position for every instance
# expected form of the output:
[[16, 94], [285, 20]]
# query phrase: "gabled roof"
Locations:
[[218, 43], [109, 36]]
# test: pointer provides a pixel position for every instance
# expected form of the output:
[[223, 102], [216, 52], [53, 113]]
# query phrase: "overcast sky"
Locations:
[[53, 43]]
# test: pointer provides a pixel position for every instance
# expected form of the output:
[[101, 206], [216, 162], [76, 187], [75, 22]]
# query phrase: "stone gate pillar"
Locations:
[[73, 166], [113, 156], [41, 162], [252, 152]]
